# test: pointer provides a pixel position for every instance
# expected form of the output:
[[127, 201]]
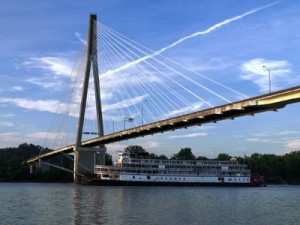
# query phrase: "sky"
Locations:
[[40, 41]]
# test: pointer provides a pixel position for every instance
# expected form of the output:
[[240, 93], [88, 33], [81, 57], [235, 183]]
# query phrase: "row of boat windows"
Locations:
[[163, 178], [183, 178], [176, 172], [210, 167], [180, 162], [239, 179], [173, 178]]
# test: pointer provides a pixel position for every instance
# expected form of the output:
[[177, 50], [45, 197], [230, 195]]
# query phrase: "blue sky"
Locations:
[[40, 41]]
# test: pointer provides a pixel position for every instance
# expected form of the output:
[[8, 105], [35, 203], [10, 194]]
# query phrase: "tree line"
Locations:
[[278, 169], [13, 168]]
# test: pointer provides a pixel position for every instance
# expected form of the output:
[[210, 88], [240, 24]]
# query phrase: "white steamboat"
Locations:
[[135, 171]]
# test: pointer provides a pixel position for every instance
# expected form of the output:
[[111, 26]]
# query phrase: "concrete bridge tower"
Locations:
[[85, 157]]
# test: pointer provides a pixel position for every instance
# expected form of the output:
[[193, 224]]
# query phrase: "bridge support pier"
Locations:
[[31, 168], [42, 166], [85, 159]]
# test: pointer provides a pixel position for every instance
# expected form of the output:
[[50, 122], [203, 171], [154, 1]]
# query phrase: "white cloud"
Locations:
[[288, 132], [261, 135], [39, 105], [205, 127], [188, 135], [18, 88], [124, 103], [79, 37], [6, 124], [42, 135], [238, 136], [262, 140], [46, 83], [57, 65], [7, 115], [106, 95], [150, 145], [192, 108], [56, 106], [199, 33], [272, 134], [293, 145], [254, 71], [115, 147], [10, 139]]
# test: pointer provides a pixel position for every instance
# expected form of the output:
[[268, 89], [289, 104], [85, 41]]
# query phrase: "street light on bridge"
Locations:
[[269, 77], [130, 119]]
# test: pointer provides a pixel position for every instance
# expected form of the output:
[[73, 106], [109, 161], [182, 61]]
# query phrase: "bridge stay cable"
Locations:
[[142, 88], [121, 49], [168, 76], [145, 78], [186, 77], [157, 78], [161, 55], [168, 87]]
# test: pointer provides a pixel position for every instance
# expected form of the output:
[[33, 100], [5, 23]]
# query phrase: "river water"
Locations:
[[32, 203]]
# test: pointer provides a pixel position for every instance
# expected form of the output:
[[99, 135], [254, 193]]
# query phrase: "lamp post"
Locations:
[[130, 119], [269, 77], [143, 111]]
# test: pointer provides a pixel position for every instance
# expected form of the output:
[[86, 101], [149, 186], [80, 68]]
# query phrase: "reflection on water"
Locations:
[[88, 206], [73, 204]]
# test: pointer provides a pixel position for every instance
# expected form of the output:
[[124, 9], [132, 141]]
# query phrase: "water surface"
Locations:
[[31, 203]]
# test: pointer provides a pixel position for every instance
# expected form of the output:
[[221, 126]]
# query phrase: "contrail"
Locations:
[[212, 28]]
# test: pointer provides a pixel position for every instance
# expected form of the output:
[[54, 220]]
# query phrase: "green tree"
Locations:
[[13, 168], [155, 156], [108, 159], [292, 167], [201, 158], [136, 151], [184, 154], [223, 157], [162, 157]]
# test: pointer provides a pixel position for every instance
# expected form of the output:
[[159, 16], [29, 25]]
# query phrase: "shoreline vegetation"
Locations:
[[276, 169]]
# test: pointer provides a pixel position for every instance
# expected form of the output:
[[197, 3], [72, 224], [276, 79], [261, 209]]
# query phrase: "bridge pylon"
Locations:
[[86, 158]]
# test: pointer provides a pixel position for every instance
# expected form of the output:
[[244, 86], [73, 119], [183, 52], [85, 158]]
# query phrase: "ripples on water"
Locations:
[[72, 204]]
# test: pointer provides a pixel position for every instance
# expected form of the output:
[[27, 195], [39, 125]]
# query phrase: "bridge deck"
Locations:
[[262, 103]]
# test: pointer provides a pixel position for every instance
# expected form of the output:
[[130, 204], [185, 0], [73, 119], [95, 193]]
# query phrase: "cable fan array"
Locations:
[[138, 86]]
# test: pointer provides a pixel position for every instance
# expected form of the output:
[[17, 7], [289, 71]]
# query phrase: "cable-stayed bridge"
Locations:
[[162, 94]]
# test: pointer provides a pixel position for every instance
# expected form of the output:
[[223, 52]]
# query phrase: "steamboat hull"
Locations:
[[149, 183]]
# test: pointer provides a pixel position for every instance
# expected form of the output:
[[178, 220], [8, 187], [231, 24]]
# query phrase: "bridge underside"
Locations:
[[251, 106]]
